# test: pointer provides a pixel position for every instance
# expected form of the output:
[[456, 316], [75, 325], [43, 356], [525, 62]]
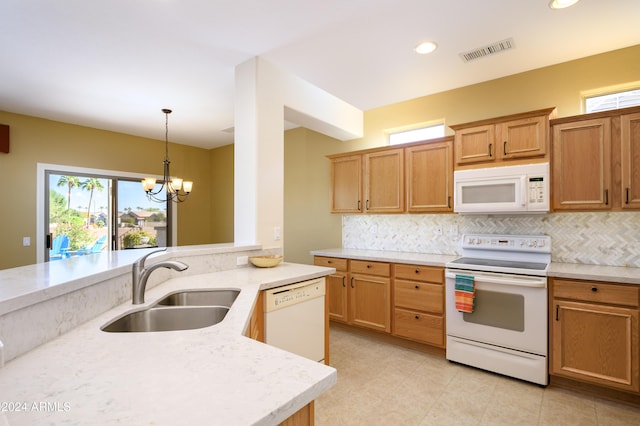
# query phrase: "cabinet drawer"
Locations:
[[593, 291], [370, 268], [418, 326], [419, 296], [419, 273], [331, 262]]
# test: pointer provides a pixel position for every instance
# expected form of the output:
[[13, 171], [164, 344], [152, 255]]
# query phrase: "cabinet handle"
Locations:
[[504, 147], [417, 317], [490, 147], [352, 283], [606, 197], [594, 289], [557, 313], [627, 196], [417, 287], [449, 202], [358, 204], [367, 205], [343, 284]]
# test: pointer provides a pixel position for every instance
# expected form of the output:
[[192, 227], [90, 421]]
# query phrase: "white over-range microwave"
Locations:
[[519, 189]]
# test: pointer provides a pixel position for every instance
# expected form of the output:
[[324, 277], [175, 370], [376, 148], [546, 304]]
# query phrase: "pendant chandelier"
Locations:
[[171, 188]]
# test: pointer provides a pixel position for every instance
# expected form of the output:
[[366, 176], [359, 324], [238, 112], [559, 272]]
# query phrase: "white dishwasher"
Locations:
[[294, 318]]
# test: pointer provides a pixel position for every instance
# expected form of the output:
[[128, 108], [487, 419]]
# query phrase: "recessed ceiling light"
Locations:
[[561, 4], [426, 47]]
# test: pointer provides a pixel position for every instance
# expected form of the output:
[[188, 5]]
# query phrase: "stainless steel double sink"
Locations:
[[179, 310]]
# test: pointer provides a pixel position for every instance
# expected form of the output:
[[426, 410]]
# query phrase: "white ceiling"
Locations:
[[114, 64]]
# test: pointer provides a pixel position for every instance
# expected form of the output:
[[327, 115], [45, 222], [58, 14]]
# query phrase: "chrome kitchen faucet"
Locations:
[[141, 274]]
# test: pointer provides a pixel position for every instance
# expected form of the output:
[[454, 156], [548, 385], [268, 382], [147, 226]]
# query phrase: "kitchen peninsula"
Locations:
[[213, 375]]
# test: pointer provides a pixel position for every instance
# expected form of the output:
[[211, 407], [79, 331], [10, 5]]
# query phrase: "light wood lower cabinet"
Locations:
[[370, 302], [402, 300], [337, 292], [418, 312], [594, 333]]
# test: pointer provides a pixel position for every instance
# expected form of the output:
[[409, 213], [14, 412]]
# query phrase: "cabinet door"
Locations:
[[384, 181], [630, 136], [475, 144], [582, 165], [370, 302], [429, 182], [346, 184], [337, 294], [595, 343], [522, 138]]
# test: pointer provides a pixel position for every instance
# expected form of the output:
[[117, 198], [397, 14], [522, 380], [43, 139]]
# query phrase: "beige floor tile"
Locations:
[[382, 384]]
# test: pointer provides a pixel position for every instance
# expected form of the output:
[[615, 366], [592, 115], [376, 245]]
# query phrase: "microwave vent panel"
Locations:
[[488, 50]]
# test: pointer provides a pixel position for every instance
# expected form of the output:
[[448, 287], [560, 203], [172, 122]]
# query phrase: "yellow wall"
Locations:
[[222, 194], [307, 222], [35, 140]]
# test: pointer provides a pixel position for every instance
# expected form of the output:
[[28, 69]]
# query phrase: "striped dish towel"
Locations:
[[465, 291]]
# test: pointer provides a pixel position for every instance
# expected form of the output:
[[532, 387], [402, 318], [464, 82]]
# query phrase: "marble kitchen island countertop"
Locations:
[[212, 375], [388, 256]]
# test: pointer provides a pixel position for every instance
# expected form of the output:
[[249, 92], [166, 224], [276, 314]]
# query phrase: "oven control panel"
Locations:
[[528, 243]]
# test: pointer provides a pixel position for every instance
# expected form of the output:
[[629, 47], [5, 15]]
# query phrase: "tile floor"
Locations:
[[383, 384]]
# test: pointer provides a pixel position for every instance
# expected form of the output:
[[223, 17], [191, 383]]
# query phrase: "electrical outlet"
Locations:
[[276, 233], [242, 260], [26, 241]]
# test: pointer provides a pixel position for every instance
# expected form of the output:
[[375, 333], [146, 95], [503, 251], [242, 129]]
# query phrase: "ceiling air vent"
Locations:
[[490, 49]]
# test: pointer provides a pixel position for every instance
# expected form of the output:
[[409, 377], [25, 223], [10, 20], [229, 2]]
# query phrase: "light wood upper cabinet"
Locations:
[[630, 142], [476, 144], [582, 165], [384, 181], [526, 137], [371, 182], [346, 184], [505, 138], [429, 177]]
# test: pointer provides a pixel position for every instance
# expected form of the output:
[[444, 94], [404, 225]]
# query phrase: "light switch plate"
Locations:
[[26, 241]]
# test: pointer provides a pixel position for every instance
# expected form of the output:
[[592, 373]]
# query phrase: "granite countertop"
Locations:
[[619, 274], [212, 375]]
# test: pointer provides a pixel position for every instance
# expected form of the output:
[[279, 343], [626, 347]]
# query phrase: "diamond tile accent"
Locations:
[[588, 238]]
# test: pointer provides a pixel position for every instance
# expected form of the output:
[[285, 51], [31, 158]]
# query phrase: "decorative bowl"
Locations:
[[266, 261]]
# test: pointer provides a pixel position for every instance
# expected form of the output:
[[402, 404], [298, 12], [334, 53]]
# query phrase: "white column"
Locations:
[[265, 95]]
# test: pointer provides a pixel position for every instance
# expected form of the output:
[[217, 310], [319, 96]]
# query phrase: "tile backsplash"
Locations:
[[589, 238]]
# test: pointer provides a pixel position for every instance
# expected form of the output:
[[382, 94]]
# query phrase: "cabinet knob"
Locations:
[[418, 317], [368, 266], [417, 271], [417, 286], [594, 289]]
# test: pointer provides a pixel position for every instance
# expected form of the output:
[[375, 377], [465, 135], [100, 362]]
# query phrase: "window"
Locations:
[[415, 134], [612, 100], [85, 211]]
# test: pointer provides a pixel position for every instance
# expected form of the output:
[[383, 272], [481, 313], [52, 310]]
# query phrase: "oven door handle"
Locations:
[[511, 281]]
